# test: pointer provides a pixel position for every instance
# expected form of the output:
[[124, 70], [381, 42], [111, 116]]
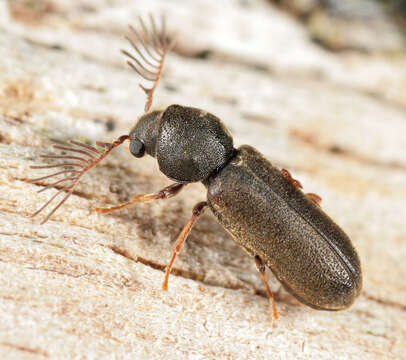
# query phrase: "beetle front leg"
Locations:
[[197, 211], [261, 269], [165, 193]]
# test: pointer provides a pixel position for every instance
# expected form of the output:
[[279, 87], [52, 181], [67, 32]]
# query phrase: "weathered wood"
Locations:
[[89, 286]]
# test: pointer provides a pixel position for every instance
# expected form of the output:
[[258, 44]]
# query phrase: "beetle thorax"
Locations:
[[191, 144]]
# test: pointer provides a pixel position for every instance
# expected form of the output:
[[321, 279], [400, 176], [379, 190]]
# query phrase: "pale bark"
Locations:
[[89, 286]]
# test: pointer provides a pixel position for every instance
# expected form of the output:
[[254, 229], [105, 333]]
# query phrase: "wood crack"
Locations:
[[36, 351], [192, 275], [384, 302], [339, 151]]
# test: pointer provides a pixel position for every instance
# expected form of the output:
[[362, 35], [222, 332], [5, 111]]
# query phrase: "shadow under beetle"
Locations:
[[261, 206]]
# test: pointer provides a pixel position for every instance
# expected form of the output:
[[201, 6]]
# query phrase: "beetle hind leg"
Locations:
[[197, 211], [165, 193], [261, 269]]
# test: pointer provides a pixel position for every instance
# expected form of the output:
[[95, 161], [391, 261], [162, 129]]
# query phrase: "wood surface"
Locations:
[[88, 286]]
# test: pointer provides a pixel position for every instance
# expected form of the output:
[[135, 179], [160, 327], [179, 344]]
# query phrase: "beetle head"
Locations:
[[143, 135]]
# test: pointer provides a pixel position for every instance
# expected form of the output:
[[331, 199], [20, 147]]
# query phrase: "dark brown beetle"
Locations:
[[261, 206]]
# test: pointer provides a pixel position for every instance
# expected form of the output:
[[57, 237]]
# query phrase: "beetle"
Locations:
[[262, 207]]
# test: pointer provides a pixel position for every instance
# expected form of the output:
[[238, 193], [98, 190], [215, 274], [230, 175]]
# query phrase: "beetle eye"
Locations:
[[137, 147]]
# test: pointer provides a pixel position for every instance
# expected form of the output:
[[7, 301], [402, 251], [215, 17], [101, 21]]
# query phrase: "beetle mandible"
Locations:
[[262, 207]]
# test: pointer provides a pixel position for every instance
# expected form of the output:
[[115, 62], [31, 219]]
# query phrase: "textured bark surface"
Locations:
[[89, 286]]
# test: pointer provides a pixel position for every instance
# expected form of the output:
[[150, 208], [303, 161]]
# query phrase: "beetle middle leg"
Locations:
[[165, 193], [287, 175], [296, 183], [314, 197], [197, 211], [261, 269]]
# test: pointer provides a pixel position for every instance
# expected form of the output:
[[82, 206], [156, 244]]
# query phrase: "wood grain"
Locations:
[[88, 286]]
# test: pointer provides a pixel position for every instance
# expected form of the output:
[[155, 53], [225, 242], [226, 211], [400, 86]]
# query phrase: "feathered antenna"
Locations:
[[151, 47], [78, 159]]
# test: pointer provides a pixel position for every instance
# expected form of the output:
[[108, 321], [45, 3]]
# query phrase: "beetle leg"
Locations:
[[296, 183], [197, 211], [165, 193], [314, 197], [261, 269]]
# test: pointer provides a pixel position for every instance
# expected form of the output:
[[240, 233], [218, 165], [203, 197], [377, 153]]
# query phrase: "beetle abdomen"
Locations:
[[267, 216]]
